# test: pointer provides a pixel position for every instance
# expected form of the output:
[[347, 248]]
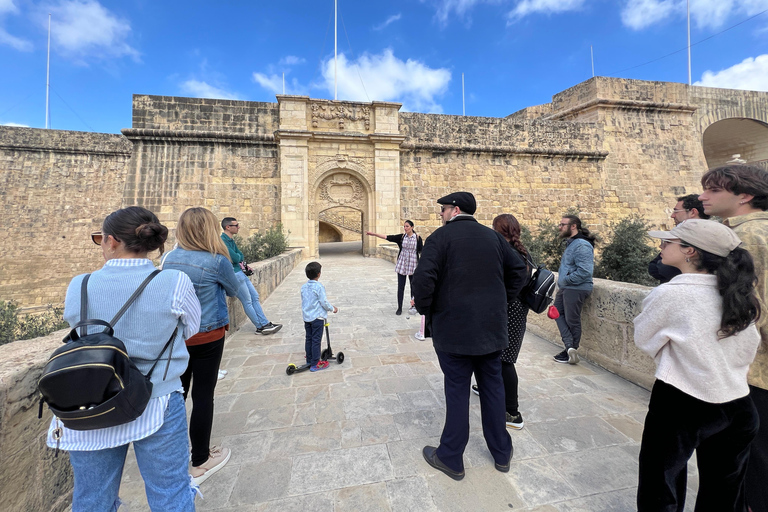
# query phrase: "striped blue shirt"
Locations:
[[185, 305], [314, 303]]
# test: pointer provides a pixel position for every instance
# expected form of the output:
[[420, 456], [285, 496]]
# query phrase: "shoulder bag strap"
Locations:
[[133, 297], [84, 304]]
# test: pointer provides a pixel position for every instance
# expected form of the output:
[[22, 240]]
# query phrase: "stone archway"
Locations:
[[341, 190], [724, 139]]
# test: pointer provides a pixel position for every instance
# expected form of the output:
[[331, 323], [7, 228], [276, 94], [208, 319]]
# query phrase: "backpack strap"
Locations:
[[167, 343], [84, 304], [133, 297]]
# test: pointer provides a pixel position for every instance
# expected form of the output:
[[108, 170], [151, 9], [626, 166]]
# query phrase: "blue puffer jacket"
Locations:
[[577, 264]]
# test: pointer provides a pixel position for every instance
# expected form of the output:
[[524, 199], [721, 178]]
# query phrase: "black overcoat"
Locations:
[[466, 274]]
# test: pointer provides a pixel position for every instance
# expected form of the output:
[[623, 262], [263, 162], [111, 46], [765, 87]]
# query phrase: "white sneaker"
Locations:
[[573, 357], [222, 374], [419, 336], [217, 458]]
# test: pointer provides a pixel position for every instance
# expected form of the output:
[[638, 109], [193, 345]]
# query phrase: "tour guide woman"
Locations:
[[699, 328], [202, 255], [410, 246], [159, 435]]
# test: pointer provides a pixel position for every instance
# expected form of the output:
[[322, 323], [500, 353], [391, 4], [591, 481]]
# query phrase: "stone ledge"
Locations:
[[32, 478]]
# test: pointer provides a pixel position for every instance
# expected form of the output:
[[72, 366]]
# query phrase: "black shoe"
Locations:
[[504, 468], [562, 357], [399, 311], [269, 328], [475, 389], [515, 421], [430, 455]]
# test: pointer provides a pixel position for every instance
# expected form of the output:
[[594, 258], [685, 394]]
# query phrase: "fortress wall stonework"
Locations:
[[56, 188]]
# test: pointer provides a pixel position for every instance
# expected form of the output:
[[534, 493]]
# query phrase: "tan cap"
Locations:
[[706, 235]]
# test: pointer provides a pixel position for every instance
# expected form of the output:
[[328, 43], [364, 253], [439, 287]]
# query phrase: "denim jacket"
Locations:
[[211, 275], [577, 264]]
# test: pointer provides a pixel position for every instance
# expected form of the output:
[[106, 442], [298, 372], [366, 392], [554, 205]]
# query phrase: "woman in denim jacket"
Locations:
[[205, 259]]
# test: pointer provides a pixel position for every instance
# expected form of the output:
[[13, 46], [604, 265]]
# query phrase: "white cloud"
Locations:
[[291, 60], [274, 84], [388, 21], [639, 14], [750, 74], [84, 30], [8, 7], [198, 89], [17, 125], [526, 7], [388, 78], [460, 7]]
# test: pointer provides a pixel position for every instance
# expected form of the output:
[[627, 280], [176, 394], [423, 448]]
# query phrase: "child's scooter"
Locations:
[[325, 355]]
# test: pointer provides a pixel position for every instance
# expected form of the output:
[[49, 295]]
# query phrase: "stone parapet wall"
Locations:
[[32, 478], [607, 331], [198, 114]]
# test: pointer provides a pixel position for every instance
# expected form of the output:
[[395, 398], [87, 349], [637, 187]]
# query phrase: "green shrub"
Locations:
[[261, 246], [546, 247], [627, 256], [14, 327]]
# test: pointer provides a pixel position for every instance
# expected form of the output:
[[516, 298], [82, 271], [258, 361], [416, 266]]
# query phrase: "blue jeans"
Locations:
[[162, 459], [250, 299], [313, 340]]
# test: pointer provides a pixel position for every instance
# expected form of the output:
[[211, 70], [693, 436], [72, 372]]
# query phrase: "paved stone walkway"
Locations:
[[349, 439]]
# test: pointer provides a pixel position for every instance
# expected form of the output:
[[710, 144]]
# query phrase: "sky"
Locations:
[[512, 53]]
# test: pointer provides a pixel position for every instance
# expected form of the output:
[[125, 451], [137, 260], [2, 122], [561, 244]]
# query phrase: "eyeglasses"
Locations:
[[678, 211], [234, 225], [446, 207], [664, 243], [563, 224], [97, 237]]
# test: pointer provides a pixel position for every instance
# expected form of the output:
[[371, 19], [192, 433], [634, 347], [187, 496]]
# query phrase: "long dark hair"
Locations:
[[410, 223], [573, 219], [736, 281], [137, 228], [507, 225]]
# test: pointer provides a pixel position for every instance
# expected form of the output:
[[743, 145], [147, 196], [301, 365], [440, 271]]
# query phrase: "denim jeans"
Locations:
[[313, 340], [250, 299], [162, 459]]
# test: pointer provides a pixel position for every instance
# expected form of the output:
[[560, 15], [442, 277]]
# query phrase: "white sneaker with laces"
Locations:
[[419, 336]]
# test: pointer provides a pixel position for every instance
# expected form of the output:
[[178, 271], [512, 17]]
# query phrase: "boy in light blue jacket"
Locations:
[[314, 308]]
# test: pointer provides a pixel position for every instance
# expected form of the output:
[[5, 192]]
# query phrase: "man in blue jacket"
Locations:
[[574, 283]]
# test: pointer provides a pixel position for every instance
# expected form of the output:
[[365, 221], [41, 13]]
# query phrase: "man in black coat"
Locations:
[[465, 277]]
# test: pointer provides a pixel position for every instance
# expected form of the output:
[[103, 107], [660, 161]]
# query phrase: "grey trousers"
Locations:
[[569, 303]]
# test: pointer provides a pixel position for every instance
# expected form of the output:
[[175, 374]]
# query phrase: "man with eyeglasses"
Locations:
[[687, 207], [739, 194], [466, 275], [231, 227]]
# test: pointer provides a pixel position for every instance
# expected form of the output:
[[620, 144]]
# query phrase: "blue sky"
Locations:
[[513, 53]]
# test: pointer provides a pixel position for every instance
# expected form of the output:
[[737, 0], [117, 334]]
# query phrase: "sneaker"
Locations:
[[270, 328], [321, 365], [412, 311], [515, 421], [562, 357], [399, 311], [419, 336], [217, 458], [475, 389], [222, 373], [573, 357]]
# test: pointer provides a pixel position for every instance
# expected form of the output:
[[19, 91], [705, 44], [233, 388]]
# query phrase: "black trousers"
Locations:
[[509, 375], [757, 470], [401, 289], [457, 371], [676, 425], [203, 372]]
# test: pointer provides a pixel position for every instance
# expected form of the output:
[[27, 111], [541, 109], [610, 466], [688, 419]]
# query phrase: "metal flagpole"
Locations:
[[592, 56], [689, 42], [335, 48], [283, 83], [463, 109], [48, 76]]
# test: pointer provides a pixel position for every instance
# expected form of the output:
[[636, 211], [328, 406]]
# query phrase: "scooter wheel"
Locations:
[[291, 369], [340, 357], [325, 354]]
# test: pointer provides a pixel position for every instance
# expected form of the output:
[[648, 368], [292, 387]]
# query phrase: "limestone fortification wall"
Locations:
[[32, 478], [57, 187]]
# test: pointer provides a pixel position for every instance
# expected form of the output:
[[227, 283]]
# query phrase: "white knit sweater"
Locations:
[[678, 328]]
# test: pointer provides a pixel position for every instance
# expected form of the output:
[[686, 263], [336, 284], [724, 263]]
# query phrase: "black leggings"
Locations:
[[509, 374], [401, 289], [203, 368]]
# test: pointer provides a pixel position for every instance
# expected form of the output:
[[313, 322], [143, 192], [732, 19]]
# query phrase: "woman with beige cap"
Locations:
[[699, 328]]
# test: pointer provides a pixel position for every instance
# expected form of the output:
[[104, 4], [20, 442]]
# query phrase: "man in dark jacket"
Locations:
[[465, 277]]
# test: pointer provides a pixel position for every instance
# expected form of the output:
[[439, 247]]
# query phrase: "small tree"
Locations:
[[627, 256], [261, 246]]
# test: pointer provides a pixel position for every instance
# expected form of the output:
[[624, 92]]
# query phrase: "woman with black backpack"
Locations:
[[167, 310]]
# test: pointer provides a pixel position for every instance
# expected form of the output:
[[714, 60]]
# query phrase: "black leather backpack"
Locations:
[[90, 382]]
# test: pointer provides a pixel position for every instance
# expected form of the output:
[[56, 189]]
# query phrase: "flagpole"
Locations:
[[689, 42], [592, 56], [48, 77], [335, 48], [463, 109]]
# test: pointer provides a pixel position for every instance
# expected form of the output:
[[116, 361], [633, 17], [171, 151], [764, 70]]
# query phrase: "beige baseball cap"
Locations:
[[706, 235]]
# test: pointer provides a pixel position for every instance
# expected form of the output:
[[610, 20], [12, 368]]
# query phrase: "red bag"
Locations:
[[553, 313]]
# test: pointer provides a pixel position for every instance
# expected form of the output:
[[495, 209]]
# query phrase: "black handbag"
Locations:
[[538, 292], [90, 382]]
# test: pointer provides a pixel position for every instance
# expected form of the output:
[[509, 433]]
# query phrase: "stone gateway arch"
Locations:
[[609, 147]]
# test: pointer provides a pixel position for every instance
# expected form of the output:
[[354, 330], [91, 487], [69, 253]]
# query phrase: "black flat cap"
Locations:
[[464, 200]]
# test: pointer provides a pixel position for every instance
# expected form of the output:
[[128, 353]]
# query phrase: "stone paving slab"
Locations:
[[349, 438]]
